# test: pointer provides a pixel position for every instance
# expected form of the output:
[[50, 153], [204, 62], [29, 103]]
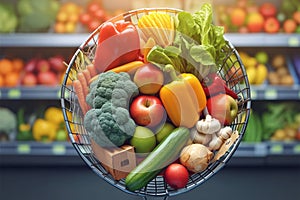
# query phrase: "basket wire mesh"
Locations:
[[79, 137]]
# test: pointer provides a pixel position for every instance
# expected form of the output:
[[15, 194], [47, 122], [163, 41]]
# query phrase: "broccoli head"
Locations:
[[8, 122], [109, 126], [110, 86]]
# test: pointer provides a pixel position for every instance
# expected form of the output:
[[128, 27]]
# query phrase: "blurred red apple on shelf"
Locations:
[[42, 65], [29, 79], [271, 25], [268, 9], [57, 63], [47, 78], [147, 110], [255, 22], [148, 78], [30, 66]]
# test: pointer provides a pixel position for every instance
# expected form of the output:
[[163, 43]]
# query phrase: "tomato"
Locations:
[[93, 6], [176, 175], [85, 18], [99, 14]]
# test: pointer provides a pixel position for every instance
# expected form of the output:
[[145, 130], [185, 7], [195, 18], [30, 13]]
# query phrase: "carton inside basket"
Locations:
[[117, 161]]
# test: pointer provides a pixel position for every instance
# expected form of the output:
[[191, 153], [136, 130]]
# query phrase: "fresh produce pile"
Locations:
[[42, 125], [36, 71], [285, 126], [263, 68], [156, 85], [245, 16]]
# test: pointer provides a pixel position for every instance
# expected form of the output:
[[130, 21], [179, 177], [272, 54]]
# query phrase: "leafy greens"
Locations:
[[197, 46]]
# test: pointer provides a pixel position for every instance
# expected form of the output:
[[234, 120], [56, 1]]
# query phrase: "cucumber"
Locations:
[[166, 152]]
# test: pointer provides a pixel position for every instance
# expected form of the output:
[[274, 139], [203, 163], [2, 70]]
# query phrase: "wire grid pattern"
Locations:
[[238, 82]]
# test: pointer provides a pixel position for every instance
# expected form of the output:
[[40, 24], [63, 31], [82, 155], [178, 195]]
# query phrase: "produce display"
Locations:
[[277, 69], [245, 16], [155, 84], [285, 126], [42, 125], [15, 72]]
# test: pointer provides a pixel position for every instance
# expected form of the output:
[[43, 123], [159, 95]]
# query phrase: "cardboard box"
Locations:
[[118, 161]]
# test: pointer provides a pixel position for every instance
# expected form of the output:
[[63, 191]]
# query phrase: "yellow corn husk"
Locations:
[[159, 26]]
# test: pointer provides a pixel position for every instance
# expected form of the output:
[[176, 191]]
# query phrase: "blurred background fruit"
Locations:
[[67, 18], [246, 16]]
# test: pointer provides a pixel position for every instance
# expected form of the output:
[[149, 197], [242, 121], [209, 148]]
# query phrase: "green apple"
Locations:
[[143, 140], [164, 131], [262, 57]]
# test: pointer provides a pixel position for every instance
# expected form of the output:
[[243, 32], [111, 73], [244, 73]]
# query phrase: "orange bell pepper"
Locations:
[[183, 98]]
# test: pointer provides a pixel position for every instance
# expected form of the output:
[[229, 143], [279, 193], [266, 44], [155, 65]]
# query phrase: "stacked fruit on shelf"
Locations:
[[43, 125], [278, 122], [93, 15], [245, 16], [262, 68], [67, 18], [255, 65], [36, 71]]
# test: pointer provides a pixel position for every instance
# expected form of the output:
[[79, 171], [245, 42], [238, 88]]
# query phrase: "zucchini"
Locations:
[[166, 152]]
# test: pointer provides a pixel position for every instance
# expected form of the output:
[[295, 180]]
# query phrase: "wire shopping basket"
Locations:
[[74, 117]]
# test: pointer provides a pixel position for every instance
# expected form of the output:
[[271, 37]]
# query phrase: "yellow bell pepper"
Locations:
[[183, 98], [55, 115], [44, 130]]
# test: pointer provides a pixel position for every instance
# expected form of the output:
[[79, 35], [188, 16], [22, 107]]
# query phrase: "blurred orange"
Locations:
[[12, 79], [289, 26], [1, 81], [6, 66], [59, 27], [18, 64], [296, 16]]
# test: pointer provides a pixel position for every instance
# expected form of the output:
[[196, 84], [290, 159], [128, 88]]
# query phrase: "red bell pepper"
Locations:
[[214, 85], [118, 43]]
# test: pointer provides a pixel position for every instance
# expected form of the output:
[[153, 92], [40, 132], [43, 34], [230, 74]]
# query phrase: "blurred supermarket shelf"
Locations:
[[264, 40], [63, 153], [75, 39]]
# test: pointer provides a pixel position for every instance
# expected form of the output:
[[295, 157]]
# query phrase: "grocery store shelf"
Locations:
[[267, 92], [42, 40], [264, 39], [37, 92], [263, 92], [74, 40], [62, 153]]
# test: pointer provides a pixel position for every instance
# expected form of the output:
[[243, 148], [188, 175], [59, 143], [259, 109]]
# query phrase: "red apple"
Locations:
[[47, 78], [271, 25], [222, 107], [29, 79], [57, 63], [42, 65], [268, 9], [148, 78], [30, 65], [147, 110]]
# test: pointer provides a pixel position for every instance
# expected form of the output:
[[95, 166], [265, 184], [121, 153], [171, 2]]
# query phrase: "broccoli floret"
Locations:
[[111, 86], [109, 126], [108, 122], [8, 123]]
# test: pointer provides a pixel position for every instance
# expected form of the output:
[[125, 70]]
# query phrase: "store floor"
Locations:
[[80, 183]]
